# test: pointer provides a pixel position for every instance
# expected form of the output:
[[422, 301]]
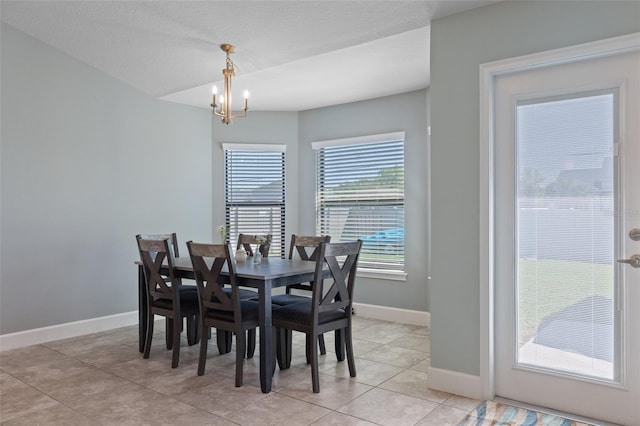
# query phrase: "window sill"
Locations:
[[382, 274]]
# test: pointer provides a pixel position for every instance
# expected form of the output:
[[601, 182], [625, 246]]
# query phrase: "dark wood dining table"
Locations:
[[264, 276]]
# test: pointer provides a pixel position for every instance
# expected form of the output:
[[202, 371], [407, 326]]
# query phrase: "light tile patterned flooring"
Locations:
[[102, 379]]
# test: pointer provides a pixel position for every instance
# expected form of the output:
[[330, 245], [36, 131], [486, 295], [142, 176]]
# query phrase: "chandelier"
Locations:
[[225, 110]]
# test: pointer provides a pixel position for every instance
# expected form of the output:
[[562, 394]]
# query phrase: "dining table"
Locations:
[[270, 273]]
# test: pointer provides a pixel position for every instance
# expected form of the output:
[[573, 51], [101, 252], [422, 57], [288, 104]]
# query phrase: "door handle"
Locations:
[[634, 260]]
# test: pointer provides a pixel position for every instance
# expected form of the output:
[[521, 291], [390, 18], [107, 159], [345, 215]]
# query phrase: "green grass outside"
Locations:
[[547, 286]]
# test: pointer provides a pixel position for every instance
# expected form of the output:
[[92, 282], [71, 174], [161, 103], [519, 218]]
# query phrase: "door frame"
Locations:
[[488, 74]]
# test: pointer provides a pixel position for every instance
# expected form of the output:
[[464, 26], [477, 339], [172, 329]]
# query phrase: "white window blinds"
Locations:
[[255, 192], [360, 195], [566, 273]]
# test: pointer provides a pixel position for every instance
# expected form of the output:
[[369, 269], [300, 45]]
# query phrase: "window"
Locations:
[[565, 233], [255, 192], [360, 194]]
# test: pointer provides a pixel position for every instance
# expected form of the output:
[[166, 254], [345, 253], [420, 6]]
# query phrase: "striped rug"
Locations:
[[497, 414]]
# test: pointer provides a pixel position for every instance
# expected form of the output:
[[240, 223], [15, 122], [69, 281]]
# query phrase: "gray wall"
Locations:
[[80, 154], [406, 112], [87, 162], [459, 44]]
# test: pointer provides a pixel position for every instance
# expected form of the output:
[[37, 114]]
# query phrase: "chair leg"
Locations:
[[251, 342], [149, 336], [175, 358], [288, 346], [307, 348], [274, 350], [221, 341], [350, 357], [340, 345], [202, 359], [168, 332], [240, 348], [323, 349], [279, 348], [283, 348], [229, 340], [192, 330], [224, 339], [315, 374]]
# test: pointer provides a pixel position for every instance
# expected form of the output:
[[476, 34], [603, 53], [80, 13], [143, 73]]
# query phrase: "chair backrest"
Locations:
[[173, 240], [208, 261], [246, 241], [303, 244], [342, 262], [155, 255]]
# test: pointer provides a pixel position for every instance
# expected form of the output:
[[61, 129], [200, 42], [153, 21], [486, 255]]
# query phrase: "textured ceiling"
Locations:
[[290, 55]]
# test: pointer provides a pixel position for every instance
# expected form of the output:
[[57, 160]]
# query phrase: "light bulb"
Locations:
[[214, 90], [246, 101]]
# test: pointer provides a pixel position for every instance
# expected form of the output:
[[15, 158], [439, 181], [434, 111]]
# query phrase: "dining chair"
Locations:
[[329, 308], [165, 295], [306, 248], [192, 323], [223, 310], [247, 241]]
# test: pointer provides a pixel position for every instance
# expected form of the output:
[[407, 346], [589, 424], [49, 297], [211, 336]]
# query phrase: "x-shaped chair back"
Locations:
[[246, 241], [208, 261], [156, 255], [342, 261], [306, 246]]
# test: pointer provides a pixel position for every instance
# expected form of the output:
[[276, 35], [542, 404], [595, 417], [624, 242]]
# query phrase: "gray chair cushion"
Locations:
[[288, 299], [188, 300], [249, 312], [301, 313]]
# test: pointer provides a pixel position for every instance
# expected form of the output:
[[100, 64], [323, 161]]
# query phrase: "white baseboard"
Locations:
[[404, 316], [454, 382], [64, 331], [78, 328]]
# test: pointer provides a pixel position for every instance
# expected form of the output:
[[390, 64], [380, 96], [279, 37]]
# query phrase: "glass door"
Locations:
[[566, 271], [567, 329]]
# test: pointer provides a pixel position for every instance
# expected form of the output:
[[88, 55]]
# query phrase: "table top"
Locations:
[[269, 268]]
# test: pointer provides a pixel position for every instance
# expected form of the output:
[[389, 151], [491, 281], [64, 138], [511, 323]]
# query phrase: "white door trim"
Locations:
[[488, 74]]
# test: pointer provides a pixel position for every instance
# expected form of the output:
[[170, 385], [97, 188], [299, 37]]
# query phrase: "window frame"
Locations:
[[368, 267], [278, 238]]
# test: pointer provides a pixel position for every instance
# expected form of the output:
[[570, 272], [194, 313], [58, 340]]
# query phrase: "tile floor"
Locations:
[[102, 379]]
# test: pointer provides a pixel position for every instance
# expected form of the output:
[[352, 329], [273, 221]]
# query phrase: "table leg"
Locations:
[[142, 309], [266, 339]]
